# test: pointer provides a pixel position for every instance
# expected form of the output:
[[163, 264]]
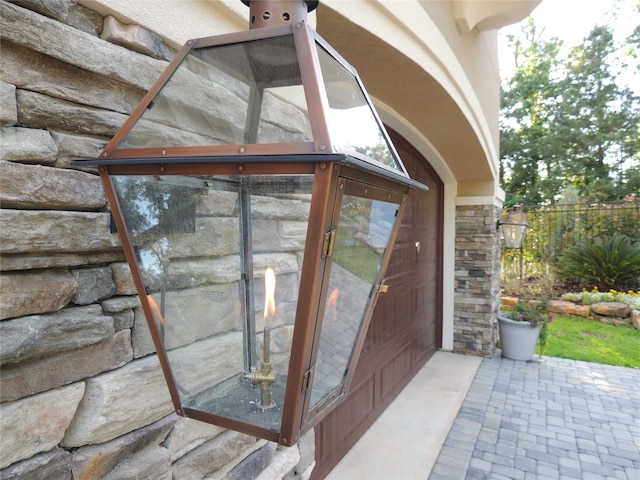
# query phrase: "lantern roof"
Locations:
[[279, 93]]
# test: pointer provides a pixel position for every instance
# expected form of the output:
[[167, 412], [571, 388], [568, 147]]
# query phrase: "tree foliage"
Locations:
[[568, 124]]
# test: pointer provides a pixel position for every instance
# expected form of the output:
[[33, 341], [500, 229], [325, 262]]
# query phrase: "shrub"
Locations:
[[575, 297], [630, 298], [607, 262]]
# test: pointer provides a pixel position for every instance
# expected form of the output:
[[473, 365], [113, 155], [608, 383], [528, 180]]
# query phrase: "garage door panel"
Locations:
[[406, 326], [399, 309], [424, 343], [362, 405], [392, 375], [360, 410]]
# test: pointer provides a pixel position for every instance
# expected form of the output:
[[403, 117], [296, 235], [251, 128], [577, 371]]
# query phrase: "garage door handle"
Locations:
[[418, 246]]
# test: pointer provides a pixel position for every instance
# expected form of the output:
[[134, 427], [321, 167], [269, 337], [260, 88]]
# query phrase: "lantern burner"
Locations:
[[265, 377]]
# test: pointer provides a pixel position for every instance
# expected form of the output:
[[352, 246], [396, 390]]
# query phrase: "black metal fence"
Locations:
[[554, 228]]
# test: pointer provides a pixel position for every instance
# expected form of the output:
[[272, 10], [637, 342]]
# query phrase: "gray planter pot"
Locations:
[[518, 340]]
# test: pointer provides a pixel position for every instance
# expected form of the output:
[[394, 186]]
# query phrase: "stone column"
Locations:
[[477, 279]]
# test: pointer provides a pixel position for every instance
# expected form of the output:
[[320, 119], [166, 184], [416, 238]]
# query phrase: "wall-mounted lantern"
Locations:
[[257, 197], [514, 227]]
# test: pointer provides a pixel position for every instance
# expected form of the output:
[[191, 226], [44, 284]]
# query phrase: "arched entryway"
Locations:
[[406, 328]]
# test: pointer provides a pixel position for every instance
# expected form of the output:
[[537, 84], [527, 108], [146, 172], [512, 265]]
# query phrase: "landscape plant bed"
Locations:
[[589, 297], [614, 308]]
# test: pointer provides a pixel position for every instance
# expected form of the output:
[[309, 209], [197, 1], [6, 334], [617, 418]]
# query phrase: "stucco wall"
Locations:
[[477, 52]]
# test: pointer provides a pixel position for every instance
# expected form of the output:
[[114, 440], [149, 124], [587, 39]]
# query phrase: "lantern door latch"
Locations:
[[307, 381], [327, 245], [382, 288], [378, 289]]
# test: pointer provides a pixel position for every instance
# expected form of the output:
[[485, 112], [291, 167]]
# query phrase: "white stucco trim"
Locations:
[[448, 265], [480, 200], [490, 14]]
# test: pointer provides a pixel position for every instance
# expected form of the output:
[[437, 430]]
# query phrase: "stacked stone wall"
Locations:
[[477, 280], [81, 392]]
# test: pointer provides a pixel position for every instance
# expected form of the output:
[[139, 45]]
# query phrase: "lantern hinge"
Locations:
[[307, 380], [329, 241]]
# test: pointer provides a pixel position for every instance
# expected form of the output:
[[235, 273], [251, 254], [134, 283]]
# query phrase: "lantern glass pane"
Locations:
[[514, 228], [513, 235], [352, 123], [231, 94], [203, 245], [362, 236]]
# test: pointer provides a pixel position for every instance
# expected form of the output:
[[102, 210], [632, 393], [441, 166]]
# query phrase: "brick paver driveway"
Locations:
[[549, 418]]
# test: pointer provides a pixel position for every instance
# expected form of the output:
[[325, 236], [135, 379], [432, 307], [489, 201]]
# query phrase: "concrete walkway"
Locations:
[[466, 418], [405, 440]]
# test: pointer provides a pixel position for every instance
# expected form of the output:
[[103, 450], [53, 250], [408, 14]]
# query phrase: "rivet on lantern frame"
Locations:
[[219, 181]]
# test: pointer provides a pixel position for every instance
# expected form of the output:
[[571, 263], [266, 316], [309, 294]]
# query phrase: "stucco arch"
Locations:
[[419, 86], [397, 122]]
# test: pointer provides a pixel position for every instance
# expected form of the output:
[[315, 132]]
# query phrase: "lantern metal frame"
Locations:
[[514, 227], [335, 169]]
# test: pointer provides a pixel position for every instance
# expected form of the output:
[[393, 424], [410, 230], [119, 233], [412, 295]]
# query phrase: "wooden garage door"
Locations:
[[406, 328]]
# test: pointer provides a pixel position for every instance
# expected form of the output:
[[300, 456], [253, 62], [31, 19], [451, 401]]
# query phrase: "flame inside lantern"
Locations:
[[269, 293]]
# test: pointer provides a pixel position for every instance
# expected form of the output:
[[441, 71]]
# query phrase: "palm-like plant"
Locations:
[[607, 262]]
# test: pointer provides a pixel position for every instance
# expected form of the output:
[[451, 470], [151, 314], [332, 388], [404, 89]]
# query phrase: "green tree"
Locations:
[[527, 137], [569, 124], [598, 119]]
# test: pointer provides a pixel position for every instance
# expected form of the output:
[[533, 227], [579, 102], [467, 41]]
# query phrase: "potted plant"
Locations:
[[524, 329]]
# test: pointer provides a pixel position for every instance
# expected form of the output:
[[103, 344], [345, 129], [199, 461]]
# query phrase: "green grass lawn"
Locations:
[[589, 340]]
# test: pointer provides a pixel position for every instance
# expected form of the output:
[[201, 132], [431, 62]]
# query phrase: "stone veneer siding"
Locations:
[[477, 280], [81, 392]]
